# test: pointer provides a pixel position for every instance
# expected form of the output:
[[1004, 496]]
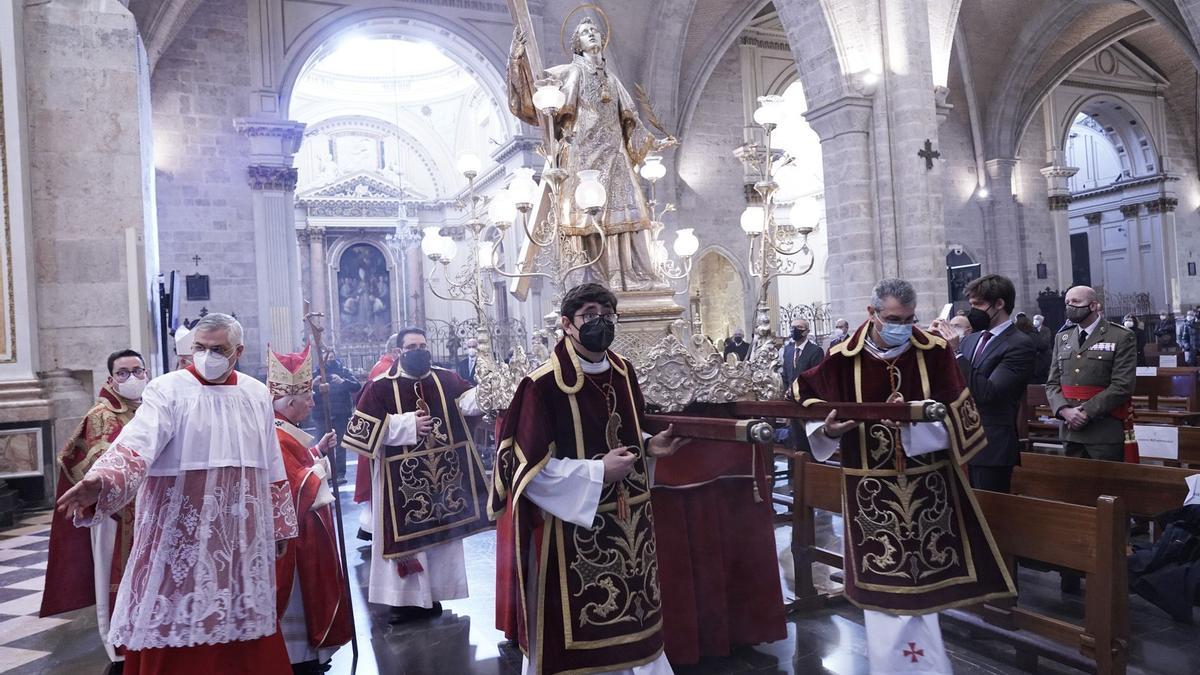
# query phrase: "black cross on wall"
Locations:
[[928, 154]]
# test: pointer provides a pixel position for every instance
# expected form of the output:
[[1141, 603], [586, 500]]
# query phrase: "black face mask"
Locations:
[[799, 335], [980, 319], [597, 335], [416, 362], [1077, 314], [737, 339]]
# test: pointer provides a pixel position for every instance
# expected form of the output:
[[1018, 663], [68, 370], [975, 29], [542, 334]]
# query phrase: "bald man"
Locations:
[[1091, 380]]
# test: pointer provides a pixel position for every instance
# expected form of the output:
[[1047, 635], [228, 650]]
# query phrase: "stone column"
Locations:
[[854, 253], [318, 269], [1133, 250], [1002, 229], [414, 284], [1164, 240], [1057, 175], [913, 232], [273, 181]]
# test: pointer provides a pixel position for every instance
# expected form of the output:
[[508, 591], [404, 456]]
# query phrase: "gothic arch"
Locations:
[[1129, 135], [1026, 80]]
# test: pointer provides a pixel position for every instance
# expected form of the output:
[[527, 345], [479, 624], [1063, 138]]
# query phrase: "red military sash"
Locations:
[[1123, 412]]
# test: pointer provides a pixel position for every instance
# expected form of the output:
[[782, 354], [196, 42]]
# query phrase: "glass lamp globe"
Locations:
[[447, 247], [524, 189], [590, 193], [502, 210], [770, 111], [548, 97], [686, 244], [429, 241], [652, 168], [752, 220], [468, 165]]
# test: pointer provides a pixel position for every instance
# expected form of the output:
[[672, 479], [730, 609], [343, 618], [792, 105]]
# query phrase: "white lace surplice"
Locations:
[[205, 464]]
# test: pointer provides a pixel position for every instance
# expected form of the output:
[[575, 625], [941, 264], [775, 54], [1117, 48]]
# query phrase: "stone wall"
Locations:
[[201, 83], [711, 197], [85, 154]]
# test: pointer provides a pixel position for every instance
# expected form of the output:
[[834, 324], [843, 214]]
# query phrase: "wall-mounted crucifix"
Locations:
[[928, 154], [197, 284]]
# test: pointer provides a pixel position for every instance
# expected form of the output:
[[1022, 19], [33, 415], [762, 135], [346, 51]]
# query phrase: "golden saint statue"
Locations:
[[599, 129]]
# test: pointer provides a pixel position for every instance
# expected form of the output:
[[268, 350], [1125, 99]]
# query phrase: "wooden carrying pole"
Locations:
[[316, 330]]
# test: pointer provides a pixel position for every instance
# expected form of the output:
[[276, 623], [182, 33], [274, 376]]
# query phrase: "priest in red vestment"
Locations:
[[213, 513], [429, 490], [577, 563], [314, 607], [915, 539], [85, 566]]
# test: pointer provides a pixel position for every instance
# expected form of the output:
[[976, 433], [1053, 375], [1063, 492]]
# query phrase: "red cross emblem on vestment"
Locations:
[[914, 653]]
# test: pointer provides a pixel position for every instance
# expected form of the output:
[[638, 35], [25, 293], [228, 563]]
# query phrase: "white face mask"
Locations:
[[472, 351], [132, 388], [210, 365], [1129, 325]]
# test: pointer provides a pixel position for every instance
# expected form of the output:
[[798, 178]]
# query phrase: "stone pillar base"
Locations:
[[646, 318]]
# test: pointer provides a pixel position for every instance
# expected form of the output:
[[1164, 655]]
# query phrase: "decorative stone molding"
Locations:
[[351, 208], [1130, 210], [289, 134], [1060, 171], [1162, 205], [455, 232], [272, 177], [1093, 218], [847, 114], [1059, 202]]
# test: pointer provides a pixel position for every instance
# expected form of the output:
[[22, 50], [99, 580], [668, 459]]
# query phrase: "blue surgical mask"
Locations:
[[895, 334]]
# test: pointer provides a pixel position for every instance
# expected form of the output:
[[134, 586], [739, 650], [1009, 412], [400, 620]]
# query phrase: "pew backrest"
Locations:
[[1147, 490]]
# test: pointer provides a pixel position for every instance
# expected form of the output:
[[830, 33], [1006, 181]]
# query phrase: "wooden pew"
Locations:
[[1090, 539], [1145, 489]]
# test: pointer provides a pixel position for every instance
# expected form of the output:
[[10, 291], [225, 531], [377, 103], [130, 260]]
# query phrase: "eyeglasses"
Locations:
[[123, 374], [590, 317], [905, 322], [198, 349]]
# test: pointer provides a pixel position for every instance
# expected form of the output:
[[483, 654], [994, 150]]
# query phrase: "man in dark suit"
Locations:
[[1043, 340], [466, 366], [996, 361], [737, 345], [799, 355]]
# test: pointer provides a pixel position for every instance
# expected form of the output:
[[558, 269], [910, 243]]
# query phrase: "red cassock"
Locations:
[[716, 551], [70, 581], [314, 555]]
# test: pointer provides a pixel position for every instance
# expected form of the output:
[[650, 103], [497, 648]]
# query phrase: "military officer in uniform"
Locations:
[[1091, 380]]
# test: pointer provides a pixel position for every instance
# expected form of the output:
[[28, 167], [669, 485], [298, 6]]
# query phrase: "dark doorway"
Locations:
[[1081, 260]]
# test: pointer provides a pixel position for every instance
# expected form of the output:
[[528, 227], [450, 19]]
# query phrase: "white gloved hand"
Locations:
[[324, 494]]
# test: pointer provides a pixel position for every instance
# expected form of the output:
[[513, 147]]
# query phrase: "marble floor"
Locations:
[[464, 641]]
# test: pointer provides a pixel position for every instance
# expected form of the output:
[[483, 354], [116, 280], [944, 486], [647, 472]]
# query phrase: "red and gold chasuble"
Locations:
[[434, 491], [915, 539], [70, 581], [314, 554], [584, 599]]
